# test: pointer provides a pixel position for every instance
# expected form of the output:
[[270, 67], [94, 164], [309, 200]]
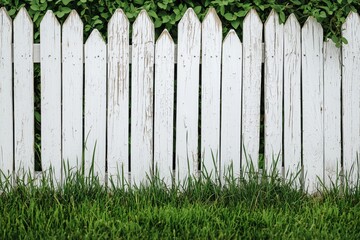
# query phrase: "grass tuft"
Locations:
[[251, 205]]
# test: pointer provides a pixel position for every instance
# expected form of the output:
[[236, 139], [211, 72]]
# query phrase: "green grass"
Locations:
[[241, 208]]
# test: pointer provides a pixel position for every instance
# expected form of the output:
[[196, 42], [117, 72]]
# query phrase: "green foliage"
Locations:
[[166, 13]]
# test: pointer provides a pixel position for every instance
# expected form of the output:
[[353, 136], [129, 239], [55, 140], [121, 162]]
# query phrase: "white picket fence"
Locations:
[[311, 97]]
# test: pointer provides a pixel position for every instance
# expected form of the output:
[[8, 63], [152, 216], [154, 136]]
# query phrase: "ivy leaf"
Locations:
[[235, 24]]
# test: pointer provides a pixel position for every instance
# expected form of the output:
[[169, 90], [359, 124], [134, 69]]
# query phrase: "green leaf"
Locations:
[[282, 17], [66, 2], [235, 24], [241, 13], [334, 38], [229, 16], [157, 23], [35, 7], [197, 9], [153, 14], [161, 5], [344, 40], [37, 116]]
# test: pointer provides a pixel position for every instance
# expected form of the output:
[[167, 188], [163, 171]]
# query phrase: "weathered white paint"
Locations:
[[292, 97], [95, 106], [273, 92], [211, 31], [50, 49], [23, 94], [72, 92], [164, 107], [142, 80], [351, 97], [312, 99], [118, 99], [231, 106], [6, 96], [187, 103], [332, 113], [252, 54]]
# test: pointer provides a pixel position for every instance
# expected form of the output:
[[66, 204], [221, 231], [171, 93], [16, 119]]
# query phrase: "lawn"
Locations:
[[201, 209]]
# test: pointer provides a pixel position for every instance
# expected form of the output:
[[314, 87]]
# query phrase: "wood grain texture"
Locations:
[[312, 103], [231, 106], [252, 55], [187, 103], [6, 96], [351, 97], [72, 92], [23, 94], [211, 30], [332, 113], [292, 98], [273, 92], [50, 49], [164, 106], [95, 106], [142, 90], [118, 99]]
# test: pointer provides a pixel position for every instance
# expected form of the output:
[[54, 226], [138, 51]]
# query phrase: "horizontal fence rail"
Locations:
[[125, 111]]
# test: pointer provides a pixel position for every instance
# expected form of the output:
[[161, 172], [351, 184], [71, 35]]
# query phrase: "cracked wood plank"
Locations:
[[50, 49], [6, 96], [118, 99], [142, 90], [23, 94], [95, 106], [231, 106]]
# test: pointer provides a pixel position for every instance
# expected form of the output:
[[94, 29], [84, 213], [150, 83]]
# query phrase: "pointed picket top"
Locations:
[[49, 19], [252, 16], [292, 22], [165, 37], [73, 19], [4, 14], [231, 37], [311, 21], [273, 18], [23, 14], [118, 17], [189, 16], [211, 18], [352, 19], [143, 19], [95, 36]]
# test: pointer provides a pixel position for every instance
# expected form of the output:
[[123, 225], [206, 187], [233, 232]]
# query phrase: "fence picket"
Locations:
[[351, 97], [50, 50], [231, 105], [211, 30], [252, 55], [23, 94], [164, 106], [142, 81], [72, 92], [118, 99], [187, 103], [6, 96], [292, 97], [95, 106], [312, 98], [332, 113], [273, 92]]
